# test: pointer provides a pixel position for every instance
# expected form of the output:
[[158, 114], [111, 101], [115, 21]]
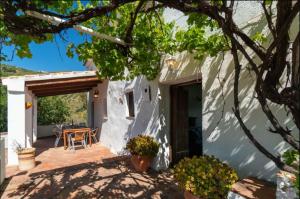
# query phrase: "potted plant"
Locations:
[[288, 184], [26, 157], [204, 177], [143, 149]]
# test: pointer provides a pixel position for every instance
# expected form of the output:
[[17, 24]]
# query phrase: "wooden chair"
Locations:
[[94, 134], [57, 131], [77, 137]]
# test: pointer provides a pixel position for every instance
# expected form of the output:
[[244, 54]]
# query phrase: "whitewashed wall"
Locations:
[[34, 120], [3, 135], [226, 140], [2, 160], [45, 130], [16, 117], [117, 128]]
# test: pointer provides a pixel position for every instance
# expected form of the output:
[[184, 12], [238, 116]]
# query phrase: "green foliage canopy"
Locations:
[[52, 110], [150, 38]]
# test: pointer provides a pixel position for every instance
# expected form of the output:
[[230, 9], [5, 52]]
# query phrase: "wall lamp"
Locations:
[[172, 63], [96, 94]]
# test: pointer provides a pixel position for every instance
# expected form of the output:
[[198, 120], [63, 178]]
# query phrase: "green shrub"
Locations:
[[52, 110], [143, 145], [205, 176], [291, 158], [3, 109]]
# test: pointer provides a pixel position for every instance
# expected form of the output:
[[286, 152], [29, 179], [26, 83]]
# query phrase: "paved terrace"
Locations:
[[97, 173], [88, 173]]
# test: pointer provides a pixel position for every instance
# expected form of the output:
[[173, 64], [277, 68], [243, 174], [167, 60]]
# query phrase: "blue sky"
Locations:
[[50, 56]]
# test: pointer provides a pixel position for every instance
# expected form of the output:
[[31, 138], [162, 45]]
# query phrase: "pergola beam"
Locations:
[[31, 84], [61, 92], [55, 87], [83, 29]]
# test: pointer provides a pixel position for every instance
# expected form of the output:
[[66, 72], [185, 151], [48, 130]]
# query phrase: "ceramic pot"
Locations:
[[141, 163], [26, 159], [189, 195]]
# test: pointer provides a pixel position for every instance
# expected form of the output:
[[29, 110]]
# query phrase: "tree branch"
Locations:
[[269, 19], [237, 113], [30, 26], [128, 34]]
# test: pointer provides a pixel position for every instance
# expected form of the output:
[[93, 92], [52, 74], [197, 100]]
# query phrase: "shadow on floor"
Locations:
[[45, 143], [113, 178]]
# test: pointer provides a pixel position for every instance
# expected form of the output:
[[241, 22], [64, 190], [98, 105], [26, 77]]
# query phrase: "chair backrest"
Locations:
[[79, 135], [95, 131]]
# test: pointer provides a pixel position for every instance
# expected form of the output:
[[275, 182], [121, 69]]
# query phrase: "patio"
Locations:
[[88, 173]]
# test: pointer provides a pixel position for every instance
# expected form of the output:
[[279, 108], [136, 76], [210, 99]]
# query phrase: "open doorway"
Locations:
[[186, 120]]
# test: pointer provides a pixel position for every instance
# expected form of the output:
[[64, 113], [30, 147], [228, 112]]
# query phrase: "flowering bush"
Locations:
[[291, 158], [142, 145], [205, 176]]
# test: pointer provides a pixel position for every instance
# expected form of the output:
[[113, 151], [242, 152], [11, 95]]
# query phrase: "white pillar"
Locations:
[[34, 108], [29, 119], [15, 117], [90, 108]]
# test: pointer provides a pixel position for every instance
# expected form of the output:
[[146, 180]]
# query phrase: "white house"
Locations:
[[191, 96], [183, 108]]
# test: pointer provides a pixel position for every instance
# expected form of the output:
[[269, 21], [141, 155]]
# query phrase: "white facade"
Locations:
[[117, 127], [224, 139]]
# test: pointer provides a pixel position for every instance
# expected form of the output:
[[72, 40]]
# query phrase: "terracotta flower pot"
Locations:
[[189, 195], [26, 159], [141, 163]]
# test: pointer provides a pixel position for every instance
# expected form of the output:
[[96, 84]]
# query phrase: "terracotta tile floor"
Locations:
[[88, 173]]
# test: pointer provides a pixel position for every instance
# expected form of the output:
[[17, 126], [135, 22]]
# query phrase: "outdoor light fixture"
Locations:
[[172, 63], [28, 105], [96, 94]]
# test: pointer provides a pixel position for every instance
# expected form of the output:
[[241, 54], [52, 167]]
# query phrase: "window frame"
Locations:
[[130, 106]]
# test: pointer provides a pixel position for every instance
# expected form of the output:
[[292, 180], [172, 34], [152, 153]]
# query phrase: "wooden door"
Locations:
[[179, 123]]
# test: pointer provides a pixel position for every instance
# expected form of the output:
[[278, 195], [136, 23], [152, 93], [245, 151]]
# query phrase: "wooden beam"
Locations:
[[54, 93], [62, 81], [62, 86], [61, 90]]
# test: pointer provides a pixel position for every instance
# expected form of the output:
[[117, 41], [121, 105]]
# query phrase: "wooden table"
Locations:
[[77, 130]]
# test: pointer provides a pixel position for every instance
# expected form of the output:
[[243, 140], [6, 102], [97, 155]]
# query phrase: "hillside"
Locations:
[[76, 103], [9, 70]]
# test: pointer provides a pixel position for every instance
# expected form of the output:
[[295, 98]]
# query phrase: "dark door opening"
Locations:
[[186, 121]]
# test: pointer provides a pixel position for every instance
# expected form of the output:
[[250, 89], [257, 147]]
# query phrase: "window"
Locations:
[[130, 103]]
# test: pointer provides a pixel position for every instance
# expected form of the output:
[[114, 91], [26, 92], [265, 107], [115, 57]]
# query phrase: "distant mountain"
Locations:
[[9, 70]]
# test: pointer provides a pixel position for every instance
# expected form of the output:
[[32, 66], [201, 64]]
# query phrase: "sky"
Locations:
[[49, 56]]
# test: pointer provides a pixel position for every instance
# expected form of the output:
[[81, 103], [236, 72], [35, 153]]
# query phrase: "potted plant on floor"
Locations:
[[143, 149], [26, 157], [204, 177], [288, 184]]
